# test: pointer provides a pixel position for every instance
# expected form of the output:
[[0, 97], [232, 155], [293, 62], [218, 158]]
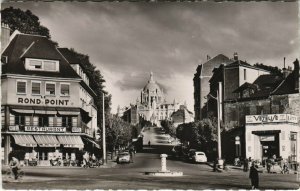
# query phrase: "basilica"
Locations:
[[151, 105]]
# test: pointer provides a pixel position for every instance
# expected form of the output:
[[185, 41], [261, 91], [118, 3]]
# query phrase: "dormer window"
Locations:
[[42, 65]]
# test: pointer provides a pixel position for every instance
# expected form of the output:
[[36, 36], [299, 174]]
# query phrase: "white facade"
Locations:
[[280, 131]]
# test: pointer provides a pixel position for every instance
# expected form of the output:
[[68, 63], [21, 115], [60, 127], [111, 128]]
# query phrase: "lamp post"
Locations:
[[103, 132]]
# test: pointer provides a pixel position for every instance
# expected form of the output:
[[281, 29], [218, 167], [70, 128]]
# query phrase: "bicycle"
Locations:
[[11, 177]]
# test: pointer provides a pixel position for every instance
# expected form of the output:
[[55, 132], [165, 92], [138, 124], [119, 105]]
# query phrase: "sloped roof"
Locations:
[[246, 85], [34, 46], [208, 66], [287, 86], [69, 55]]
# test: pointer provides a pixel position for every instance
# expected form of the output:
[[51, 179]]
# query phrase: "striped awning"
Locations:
[[24, 111], [70, 141], [47, 140], [45, 110], [25, 140], [93, 142]]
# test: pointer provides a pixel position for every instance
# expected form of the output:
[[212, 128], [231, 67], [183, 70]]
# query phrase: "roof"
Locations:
[[34, 46], [246, 85], [287, 86], [70, 56]]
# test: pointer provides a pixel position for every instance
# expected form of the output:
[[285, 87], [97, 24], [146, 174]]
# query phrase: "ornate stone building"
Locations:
[[152, 105]]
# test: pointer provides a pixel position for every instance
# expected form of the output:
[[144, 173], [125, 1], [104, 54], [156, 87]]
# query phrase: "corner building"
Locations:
[[47, 105]]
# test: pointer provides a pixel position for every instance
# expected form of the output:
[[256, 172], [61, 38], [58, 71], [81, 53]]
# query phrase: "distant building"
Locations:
[[201, 83], [151, 106], [182, 115]]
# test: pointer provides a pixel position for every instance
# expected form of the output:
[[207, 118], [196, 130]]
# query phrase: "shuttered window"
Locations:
[[21, 87], [49, 66], [36, 88]]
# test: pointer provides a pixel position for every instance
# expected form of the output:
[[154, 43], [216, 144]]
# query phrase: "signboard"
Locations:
[[76, 129], [13, 128], [38, 101], [272, 118], [45, 129], [267, 138]]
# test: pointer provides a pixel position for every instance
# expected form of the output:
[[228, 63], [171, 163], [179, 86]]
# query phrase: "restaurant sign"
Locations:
[[76, 129], [45, 129], [271, 118], [37, 101]]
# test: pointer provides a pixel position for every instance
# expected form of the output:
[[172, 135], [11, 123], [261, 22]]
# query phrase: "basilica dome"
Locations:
[[152, 86]]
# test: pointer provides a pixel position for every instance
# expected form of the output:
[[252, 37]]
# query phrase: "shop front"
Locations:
[[274, 135]]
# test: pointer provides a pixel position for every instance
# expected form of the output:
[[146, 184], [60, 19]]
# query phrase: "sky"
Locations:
[[126, 41]]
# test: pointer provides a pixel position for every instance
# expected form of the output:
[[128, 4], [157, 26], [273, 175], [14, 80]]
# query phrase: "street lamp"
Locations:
[[103, 132]]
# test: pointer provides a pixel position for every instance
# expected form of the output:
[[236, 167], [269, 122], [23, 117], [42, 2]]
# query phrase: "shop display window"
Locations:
[[35, 120], [43, 121], [59, 121], [19, 120]]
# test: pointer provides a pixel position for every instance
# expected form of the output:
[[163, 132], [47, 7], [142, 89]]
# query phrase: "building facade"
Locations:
[[273, 101], [47, 105], [182, 115], [201, 79]]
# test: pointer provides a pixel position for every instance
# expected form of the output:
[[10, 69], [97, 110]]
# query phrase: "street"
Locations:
[[131, 176]]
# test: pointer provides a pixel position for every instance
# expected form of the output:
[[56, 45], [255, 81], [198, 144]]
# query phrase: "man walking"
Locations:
[[253, 175]]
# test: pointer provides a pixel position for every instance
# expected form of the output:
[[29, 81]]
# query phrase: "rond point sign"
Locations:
[[37, 101]]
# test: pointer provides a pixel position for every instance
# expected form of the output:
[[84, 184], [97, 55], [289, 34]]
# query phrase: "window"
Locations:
[[49, 66], [42, 65], [74, 121], [66, 121], [43, 121], [27, 120], [51, 121], [35, 64], [245, 74], [2, 117], [35, 120], [59, 121], [21, 87], [50, 89], [64, 89], [36, 88], [19, 120]]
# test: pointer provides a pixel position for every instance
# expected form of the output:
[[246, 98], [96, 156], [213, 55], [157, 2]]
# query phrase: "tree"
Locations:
[[199, 135], [118, 132], [272, 69], [168, 127], [24, 21]]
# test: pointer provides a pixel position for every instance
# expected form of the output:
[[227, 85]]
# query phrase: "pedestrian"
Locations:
[[253, 175], [246, 161], [131, 155], [14, 165], [149, 143], [269, 164]]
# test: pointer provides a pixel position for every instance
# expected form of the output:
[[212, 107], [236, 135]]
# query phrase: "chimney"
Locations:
[[235, 56], [296, 76], [5, 34], [208, 57]]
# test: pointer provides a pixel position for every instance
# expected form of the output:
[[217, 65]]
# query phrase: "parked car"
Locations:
[[199, 156], [123, 157], [179, 151]]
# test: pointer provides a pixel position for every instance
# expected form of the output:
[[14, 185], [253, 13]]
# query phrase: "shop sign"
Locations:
[[267, 138], [272, 118], [76, 129], [37, 101], [45, 129], [13, 128]]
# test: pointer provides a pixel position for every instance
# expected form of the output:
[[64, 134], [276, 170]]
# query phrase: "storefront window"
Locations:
[[66, 121], [43, 121], [35, 120], [59, 121], [27, 120], [74, 122], [51, 121], [19, 120]]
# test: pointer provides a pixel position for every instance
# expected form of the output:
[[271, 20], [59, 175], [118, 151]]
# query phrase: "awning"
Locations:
[[45, 110], [75, 113], [47, 140], [68, 111], [93, 142], [23, 111], [70, 141], [25, 140]]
